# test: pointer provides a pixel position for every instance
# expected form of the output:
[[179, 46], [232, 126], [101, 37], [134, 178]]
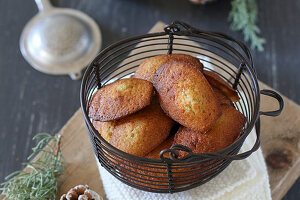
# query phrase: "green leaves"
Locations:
[[39, 182], [243, 17]]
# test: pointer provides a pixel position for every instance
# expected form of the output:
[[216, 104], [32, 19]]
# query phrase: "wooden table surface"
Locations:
[[32, 102]]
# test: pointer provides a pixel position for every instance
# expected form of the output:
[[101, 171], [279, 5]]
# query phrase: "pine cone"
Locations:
[[80, 192], [201, 1]]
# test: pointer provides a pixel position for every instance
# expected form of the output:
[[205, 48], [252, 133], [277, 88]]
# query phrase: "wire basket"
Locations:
[[229, 58]]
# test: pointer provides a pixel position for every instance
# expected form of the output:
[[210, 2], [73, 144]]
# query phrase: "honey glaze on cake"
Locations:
[[120, 98], [141, 132], [186, 96], [226, 130], [147, 69]]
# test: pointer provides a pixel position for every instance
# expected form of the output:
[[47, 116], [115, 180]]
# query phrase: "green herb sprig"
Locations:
[[39, 180], [243, 17]]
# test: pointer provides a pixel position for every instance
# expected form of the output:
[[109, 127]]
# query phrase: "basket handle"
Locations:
[[276, 96], [173, 154], [174, 27]]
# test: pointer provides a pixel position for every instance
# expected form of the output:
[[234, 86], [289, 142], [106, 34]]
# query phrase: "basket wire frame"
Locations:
[[220, 53]]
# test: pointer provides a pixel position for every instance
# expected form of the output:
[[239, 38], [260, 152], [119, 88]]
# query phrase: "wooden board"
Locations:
[[82, 169], [277, 133], [32, 102]]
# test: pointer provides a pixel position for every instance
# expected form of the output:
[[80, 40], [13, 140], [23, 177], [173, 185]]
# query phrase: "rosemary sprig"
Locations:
[[39, 180], [243, 17]]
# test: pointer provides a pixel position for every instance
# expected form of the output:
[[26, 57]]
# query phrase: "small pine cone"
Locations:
[[63, 197], [80, 189], [88, 193], [72, 195], [200, 1], [83, 197], [80, 192]]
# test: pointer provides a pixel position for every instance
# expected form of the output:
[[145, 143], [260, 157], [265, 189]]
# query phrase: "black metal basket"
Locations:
[[231, 59]]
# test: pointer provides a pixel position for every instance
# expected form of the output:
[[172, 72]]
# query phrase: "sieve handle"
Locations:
[[43, 5], [276, 96]]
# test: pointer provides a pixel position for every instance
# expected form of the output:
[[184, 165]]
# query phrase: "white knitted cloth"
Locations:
[[243, 179]]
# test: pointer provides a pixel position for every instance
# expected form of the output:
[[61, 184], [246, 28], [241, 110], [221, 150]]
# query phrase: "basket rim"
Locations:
[[248, 64]]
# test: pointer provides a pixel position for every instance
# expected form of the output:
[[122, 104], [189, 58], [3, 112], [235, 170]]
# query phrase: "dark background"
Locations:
[[32, 102]]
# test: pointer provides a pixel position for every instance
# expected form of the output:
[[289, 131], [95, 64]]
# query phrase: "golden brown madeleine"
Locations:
[[222, 98], [188, 59], [144, 174], [226, 130], [157, 172], [186, 96], [155, 153], [105, 129], [147, 69], [141, 132], [120, 98], [216, 81], [143, 171]]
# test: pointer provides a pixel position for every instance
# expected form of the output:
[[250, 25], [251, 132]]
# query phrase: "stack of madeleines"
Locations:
[[136, 115]]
